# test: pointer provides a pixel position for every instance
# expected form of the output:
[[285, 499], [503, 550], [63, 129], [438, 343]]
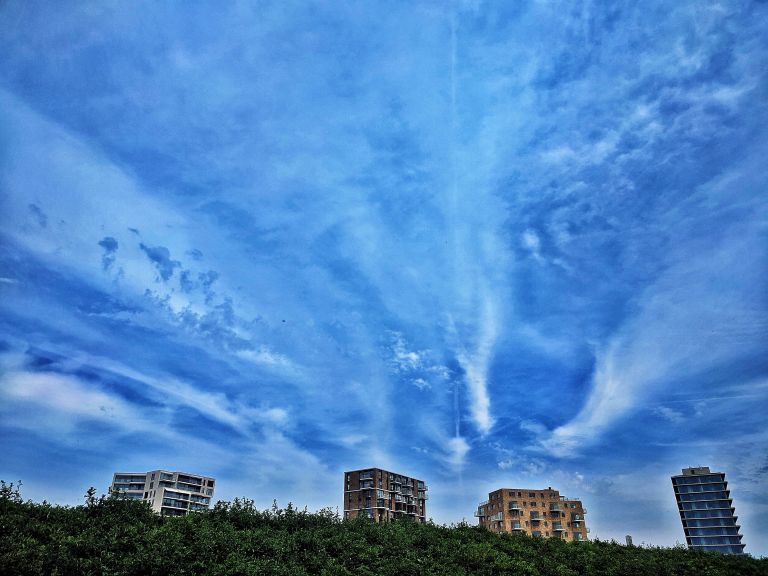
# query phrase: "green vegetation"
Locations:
[[114, 536]]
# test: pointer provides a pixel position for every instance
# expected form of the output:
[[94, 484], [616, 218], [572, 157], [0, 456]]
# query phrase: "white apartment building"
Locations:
[[169, 493]]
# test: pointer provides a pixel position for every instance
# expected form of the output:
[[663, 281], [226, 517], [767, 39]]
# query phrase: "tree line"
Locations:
[[112, 535]]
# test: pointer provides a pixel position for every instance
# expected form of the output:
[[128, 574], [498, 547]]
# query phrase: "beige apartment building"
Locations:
[[384, 495], [534, 512], [168, 493]]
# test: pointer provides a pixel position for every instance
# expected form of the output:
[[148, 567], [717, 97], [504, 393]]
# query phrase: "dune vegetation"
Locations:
[[109, 535]]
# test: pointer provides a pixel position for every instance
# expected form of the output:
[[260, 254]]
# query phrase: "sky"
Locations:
[[486, 244]]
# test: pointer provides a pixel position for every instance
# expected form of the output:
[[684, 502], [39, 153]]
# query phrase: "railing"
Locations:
[[190, 480]]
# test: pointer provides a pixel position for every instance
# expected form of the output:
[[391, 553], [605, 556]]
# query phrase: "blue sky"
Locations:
[[487, 244]]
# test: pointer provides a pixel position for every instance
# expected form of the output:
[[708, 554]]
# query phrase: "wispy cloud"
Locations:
[[479, 242]]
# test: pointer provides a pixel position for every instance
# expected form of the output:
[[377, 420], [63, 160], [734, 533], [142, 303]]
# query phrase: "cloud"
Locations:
[[688, 322], [506, 216], [160, 256], [40, 217], [264, 356], [456, 451], [475, 364], [669, 414], [110, 248], [64, 399]]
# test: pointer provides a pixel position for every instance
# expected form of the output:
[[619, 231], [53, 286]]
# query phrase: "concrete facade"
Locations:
[[706, 511], [534, 512], [384, 495], [168, 493]]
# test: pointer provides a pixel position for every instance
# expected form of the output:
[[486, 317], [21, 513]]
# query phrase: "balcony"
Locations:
[[480, 512], [557, 527], [190, 480], [496, 517], [366, 476], [516, 526], [554, 508]]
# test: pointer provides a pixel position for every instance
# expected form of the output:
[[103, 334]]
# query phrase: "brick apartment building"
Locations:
[[384, 495], [168, 493], [534, 512]]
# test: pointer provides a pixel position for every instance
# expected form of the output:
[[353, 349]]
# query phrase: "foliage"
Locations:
[[110, 535]]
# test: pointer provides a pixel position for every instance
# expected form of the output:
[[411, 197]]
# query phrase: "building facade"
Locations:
[[534, 512], [707, 511], [168, 493], [384, 495]]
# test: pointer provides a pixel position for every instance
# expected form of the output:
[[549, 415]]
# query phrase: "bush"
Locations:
[[115, 536]]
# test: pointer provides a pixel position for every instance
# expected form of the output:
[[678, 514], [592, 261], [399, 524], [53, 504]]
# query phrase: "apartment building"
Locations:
[[534, 512], [384, 495], [169, 493], [707, 511]]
